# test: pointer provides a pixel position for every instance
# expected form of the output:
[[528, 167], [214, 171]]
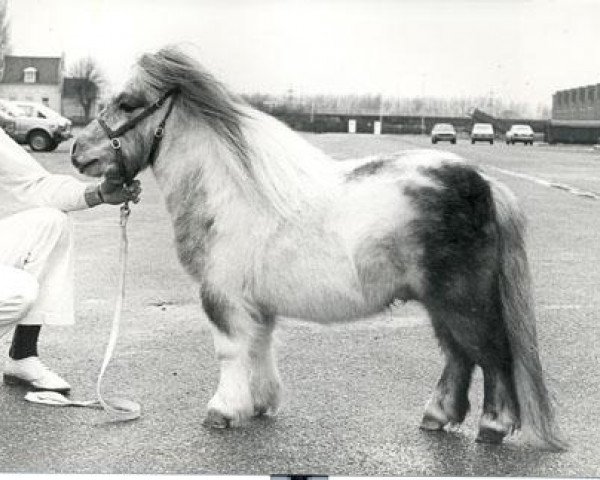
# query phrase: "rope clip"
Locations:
[[125, 211]]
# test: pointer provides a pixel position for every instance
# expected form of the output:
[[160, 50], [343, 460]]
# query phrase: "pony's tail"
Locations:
[[516, 299]]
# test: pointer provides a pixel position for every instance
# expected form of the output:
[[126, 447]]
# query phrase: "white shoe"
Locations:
[[31, 372]]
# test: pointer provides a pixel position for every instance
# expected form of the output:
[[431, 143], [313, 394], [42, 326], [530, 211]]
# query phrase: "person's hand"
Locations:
[[113, 190]]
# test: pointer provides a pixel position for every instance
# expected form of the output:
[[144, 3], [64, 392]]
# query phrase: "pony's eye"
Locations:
[[126, 107]]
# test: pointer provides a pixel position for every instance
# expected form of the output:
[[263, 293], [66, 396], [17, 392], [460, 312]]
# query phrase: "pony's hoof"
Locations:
[[490, 435], [434, 418], [266, 398], [215, 419], [432, 423], [261, 411], [266, 409], [493, 428]]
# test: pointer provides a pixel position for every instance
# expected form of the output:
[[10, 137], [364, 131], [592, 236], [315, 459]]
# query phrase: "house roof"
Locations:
[[48, 69], [72, 85]]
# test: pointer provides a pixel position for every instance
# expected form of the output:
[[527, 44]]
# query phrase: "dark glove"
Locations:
[[113, 190]]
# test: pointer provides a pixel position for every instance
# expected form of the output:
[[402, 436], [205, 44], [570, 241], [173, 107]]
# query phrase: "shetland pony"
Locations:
[[270, 226]]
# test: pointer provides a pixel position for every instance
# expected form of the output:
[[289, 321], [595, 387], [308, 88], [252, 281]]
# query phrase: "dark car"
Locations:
[[443, 132]]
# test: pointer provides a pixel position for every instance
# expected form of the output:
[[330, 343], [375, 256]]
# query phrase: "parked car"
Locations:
[[519, 133], [482, 132], [36, 125], [443, 131], [7, 123]]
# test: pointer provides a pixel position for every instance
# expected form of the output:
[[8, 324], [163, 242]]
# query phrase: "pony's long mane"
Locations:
[[260, 153]]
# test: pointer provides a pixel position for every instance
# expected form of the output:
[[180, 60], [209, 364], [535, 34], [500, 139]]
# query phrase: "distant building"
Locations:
[[581, 103], [33, 79]]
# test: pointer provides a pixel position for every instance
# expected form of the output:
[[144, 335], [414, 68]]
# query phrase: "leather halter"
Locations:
[[114, 135]]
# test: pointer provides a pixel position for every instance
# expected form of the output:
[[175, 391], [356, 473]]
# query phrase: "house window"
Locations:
[[46, 101], [30, 75]]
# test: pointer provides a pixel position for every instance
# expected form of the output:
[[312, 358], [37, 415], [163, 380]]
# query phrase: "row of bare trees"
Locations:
[[89, 83], [369, 104]]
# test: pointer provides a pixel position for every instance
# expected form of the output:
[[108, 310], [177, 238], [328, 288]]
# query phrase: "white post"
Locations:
[[377, 127], [352, 125]]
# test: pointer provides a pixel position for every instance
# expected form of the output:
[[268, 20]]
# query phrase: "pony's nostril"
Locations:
[[74, 160]]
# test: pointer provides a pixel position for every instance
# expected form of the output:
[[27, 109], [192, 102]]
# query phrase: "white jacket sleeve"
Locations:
[[25, 179]]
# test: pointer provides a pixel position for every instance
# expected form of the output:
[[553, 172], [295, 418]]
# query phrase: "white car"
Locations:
[[443, 131], [42, 132], [39, 110], [519, 133], [42, 128], [482, 132]]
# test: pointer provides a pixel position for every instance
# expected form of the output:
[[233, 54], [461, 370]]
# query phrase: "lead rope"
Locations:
[[119, 409]]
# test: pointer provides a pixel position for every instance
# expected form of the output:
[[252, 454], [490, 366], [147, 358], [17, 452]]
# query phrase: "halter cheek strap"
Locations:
[[160, 130], [114, 135]]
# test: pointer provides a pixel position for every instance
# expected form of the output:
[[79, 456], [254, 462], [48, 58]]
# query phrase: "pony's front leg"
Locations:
[[265, 386], [248, 383], [231, 404]]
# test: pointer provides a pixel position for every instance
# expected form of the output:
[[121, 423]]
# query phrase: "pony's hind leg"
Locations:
[[500, 415], [248, 382], [481, 334], [457, 226], [449, 403], [478, 338]]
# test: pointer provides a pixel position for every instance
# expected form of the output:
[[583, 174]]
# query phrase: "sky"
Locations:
[[520, 50]]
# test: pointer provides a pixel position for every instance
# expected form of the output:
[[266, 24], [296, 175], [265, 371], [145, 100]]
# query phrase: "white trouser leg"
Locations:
[[18, 293], [39, 242]]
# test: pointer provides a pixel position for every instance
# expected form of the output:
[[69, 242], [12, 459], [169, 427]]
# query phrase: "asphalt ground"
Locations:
[[354, 393]]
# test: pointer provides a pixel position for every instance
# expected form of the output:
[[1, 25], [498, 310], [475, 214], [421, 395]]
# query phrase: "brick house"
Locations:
[[34, 79]]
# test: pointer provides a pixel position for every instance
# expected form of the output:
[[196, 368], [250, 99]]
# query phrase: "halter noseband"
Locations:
[[114, 135]]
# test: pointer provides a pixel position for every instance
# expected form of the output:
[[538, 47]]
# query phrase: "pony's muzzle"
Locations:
[[77, 160]]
